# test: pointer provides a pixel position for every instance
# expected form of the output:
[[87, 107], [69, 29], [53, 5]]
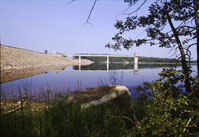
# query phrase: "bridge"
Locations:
[[107, 60]]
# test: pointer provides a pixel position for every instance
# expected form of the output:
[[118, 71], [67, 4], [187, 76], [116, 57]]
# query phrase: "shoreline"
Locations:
[[19, 63], [158, 63], [14, 74]]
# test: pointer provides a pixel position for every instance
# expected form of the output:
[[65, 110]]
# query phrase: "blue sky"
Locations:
[[57, 26]]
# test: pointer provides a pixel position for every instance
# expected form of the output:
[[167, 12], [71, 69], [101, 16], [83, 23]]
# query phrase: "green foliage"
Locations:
[[167, 116], [131, 1], [155, 23], [170, 112]]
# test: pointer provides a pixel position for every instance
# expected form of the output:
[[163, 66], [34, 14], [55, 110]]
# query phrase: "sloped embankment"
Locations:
[[18, 63]]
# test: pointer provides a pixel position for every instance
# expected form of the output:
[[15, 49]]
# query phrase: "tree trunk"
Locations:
[[197, 31], [185, 68]]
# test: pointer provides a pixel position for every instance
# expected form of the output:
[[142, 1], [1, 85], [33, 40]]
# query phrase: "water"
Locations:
[[72, 79]]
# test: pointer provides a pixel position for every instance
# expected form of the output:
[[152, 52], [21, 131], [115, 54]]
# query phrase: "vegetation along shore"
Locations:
[[130, 60]]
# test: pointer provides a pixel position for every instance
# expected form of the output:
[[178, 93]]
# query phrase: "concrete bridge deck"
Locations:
[[97, 55], [102, 55]]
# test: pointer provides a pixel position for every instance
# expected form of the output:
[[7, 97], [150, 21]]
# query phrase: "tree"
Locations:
[[196, 8], [168, 24], [183, 5], [169, 112]]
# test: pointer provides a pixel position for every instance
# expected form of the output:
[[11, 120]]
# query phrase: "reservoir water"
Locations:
[[81, 77]]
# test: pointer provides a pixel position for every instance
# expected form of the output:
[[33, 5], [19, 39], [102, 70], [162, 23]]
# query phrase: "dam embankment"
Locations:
[[19, 63]]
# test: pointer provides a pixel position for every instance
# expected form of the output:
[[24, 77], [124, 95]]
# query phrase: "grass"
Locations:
[[60, 119]]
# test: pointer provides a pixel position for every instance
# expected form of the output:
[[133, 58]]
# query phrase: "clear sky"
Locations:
[[54, 25]]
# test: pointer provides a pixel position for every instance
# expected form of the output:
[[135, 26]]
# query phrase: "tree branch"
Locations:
[[71, 1], [138, 8], [90, 13]]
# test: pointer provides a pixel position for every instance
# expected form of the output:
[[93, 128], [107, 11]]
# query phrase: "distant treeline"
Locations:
[[130, 59], [154, 59], [99, 66]]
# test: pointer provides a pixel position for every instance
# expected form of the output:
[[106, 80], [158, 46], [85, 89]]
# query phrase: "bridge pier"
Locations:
[[107, 60], [107, 66], [136, 58], [136, 63], [107, 63], [80, 60], [79, 67]]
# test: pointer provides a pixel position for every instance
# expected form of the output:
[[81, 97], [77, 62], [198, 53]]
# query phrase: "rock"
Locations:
[[116, 90], [70, 99], [96, 96]]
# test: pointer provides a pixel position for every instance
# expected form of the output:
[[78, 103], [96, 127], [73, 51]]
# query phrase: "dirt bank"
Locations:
[[19, 63]]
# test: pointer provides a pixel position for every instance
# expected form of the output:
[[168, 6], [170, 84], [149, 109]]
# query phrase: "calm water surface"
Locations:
[[72, 79]]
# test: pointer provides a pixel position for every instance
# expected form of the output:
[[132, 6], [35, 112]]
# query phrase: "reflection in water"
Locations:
[[22, 73], [98, 66], [114, 78], [66, 81]]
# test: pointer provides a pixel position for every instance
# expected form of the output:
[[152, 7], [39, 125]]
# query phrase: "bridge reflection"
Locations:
[[135, 70], [101, 68]]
